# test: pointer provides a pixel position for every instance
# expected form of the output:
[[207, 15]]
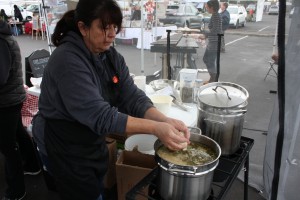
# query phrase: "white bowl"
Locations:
[[162, 102], [143, 142]]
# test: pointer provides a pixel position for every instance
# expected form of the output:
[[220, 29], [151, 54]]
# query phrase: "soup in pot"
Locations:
[[195, 154]]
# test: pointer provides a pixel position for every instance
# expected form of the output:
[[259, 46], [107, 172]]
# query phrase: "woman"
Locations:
[[18, 14], [215, 28], [15, 143], [86, 94]]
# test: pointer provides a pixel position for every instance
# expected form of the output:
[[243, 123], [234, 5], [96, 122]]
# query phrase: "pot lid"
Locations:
[[222, 95]]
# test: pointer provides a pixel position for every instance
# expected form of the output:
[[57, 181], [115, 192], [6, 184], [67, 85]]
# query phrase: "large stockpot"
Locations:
[[221, 113], [177, 182]]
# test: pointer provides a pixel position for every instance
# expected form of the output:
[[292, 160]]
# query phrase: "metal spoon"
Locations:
[[179, 104]]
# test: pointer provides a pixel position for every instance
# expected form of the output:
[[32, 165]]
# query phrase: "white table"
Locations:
[[189, 117]]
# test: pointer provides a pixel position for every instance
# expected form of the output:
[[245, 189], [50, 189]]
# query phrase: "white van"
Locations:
[[9, 10], [238, 15]]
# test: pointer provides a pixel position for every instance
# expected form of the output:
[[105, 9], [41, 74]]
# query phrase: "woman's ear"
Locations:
[[82, 28]]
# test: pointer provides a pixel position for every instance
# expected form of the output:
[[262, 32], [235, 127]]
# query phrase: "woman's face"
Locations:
[[209, 9], [95, 38]]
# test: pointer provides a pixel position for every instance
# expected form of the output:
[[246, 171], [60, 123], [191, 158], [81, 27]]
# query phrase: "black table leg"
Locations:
[[246, 176]]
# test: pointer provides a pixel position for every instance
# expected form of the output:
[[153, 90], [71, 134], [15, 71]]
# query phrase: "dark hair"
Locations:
[[214, 4], [108, 11], [225, 4]]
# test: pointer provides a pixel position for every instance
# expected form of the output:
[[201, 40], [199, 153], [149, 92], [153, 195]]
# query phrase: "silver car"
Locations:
[[185, 15], [273, 10]]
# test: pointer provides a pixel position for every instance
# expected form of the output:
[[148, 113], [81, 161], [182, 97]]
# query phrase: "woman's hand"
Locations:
[[169, 134], [179, 125]]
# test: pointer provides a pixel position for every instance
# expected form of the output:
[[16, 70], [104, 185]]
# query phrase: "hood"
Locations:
[[4, 28], [76, 40]]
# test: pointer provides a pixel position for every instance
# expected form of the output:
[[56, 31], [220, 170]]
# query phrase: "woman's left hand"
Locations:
[[179, 125]]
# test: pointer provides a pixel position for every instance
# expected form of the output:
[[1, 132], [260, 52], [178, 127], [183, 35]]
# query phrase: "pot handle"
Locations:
[[176, 170], [223, 89], [238, 111], [215, 121]]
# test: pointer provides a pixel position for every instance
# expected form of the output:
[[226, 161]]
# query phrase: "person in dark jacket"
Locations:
[[86, 94], [17, 13], [215, 28], [225, 23], [3, 15], [14, 140]]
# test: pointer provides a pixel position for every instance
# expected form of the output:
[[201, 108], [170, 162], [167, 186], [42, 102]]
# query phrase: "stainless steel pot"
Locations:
[[221, 111], [177, 182]]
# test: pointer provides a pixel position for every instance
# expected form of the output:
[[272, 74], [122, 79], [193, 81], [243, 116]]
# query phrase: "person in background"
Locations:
[[136, 15], [3, 15], [15, 143], [86, 94], [215, 28], [150, 9], [18, 14], [251, 13], [225, 23]]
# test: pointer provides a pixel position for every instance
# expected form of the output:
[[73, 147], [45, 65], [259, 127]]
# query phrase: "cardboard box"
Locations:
[[110, 176], [132, 167]]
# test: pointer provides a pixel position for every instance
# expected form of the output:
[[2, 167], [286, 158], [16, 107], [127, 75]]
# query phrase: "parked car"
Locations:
[[238, 15], [33, 8], [274, 10], [186, 15], [171, 9]]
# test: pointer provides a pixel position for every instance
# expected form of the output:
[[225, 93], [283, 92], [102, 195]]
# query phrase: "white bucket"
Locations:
[[143, 142]]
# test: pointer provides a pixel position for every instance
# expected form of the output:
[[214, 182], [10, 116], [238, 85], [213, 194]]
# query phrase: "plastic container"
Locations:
[[197, 84], [187, 92], [187, 74], [162, 103]]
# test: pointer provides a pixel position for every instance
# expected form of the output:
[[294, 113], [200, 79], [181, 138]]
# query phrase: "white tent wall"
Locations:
[[289, 178], [259, 10]]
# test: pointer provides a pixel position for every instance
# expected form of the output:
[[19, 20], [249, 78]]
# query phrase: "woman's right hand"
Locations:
[[170, 136]]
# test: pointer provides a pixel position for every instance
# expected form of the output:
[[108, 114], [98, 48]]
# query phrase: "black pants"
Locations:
[[16, 145], [223, 42]]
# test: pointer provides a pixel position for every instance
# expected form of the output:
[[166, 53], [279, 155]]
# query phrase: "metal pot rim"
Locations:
[[186, 168]]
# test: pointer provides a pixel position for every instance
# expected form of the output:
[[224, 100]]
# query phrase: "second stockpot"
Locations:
[[221, 113]]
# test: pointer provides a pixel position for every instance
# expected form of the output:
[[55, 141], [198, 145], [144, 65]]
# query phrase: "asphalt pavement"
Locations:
[[245, 62]]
